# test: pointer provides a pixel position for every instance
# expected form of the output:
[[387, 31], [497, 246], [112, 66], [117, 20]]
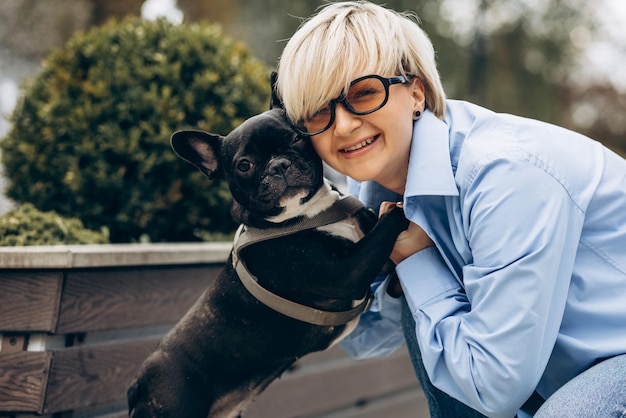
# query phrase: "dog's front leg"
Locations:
[[368, 256]]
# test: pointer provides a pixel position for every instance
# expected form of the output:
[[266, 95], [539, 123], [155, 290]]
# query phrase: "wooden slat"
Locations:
[[325, 389], [121, 414], [40, 257], [23, 381], [94, 375], [29, 300], [83, 377], [110, 299], [409, 403]]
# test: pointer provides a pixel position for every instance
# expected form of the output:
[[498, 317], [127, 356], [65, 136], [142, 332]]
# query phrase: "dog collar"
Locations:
[[246, 235]]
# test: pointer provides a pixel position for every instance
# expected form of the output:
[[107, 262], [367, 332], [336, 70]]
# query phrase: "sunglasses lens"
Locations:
[[366, 95], [319, 121]]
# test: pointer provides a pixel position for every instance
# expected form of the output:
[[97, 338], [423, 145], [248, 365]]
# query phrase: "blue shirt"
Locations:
[[526, 287]]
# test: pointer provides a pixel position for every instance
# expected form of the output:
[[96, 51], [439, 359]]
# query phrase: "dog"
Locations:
[[230, 345]]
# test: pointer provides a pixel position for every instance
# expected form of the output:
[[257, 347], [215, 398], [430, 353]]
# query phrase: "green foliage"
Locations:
[[90, 136], [28, 226]]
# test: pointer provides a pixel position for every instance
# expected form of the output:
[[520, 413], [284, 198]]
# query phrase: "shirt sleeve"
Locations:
[[379, 331], [487, 344]]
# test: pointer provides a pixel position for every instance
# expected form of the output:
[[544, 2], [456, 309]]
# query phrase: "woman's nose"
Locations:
[[345, 122]]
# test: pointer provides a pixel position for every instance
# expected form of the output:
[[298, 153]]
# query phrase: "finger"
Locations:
[[384, 208], [387, 206]]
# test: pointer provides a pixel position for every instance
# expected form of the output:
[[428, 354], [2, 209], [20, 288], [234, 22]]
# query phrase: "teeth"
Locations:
[[358, 146]]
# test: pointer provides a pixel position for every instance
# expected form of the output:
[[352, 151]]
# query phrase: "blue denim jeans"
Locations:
[[599, 392]]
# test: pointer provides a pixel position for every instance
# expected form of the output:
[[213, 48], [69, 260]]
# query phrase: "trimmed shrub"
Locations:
[[90, 136], [26, 225]]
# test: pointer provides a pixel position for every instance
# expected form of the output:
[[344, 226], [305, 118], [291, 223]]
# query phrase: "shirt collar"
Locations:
[[430, 167]]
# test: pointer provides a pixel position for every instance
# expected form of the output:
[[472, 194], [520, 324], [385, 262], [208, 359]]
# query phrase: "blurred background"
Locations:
[[560, 61]]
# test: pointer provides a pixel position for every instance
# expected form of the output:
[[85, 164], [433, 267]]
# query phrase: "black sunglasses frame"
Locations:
[[387, 81]]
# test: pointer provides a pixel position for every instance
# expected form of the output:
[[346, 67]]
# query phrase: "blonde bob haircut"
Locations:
[[346, 40]]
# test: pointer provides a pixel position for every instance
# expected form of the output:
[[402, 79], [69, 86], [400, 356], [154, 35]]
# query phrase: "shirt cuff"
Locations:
[[424, 276], [383, 303], [389, 306]]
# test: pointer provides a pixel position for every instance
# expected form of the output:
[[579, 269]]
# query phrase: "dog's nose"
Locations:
[[278, 166]]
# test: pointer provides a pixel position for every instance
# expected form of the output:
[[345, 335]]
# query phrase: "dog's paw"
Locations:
[[394, 218]]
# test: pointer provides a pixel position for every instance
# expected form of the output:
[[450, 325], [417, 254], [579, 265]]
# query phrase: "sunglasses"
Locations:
[[365, 95]]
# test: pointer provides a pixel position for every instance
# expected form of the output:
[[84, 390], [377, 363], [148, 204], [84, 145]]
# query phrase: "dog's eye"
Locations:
[[244, 166]]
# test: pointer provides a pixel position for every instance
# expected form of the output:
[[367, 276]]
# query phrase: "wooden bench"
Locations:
[[77, 321]]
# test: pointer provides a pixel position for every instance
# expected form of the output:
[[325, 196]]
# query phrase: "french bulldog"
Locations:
[[230, 346]]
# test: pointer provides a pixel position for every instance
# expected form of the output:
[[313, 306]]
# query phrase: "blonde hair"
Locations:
[[344, 38]]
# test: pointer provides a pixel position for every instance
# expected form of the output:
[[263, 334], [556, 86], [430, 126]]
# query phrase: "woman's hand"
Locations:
[[410, 241]]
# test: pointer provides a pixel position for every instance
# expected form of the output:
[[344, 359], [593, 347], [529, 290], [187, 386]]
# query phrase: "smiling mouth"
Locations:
[[360, 145]]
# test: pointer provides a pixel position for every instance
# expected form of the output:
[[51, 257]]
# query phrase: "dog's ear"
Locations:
[[201, 149], [275, 101]]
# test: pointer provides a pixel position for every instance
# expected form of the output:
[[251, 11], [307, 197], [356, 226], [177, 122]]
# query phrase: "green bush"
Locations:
[[28, 226], [90, 136]]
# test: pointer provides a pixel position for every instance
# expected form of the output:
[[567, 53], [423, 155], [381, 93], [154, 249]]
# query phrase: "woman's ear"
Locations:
[[418, 95]]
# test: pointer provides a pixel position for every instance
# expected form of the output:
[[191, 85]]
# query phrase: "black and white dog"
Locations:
[[295, 286]]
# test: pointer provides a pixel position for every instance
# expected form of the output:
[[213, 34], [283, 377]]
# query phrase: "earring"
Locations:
[[417, 114]]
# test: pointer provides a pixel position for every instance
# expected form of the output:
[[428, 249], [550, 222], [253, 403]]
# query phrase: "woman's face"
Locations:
[[374, 146]]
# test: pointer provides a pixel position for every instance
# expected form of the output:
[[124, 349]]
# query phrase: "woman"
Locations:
[[512, 275]]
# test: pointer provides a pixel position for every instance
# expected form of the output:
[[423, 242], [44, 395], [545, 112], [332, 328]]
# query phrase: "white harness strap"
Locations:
[[247, 235]]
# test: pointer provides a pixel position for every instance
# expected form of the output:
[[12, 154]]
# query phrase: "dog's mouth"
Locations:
[[292, 181], [268, 199], [273, 193], [278, 201]]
